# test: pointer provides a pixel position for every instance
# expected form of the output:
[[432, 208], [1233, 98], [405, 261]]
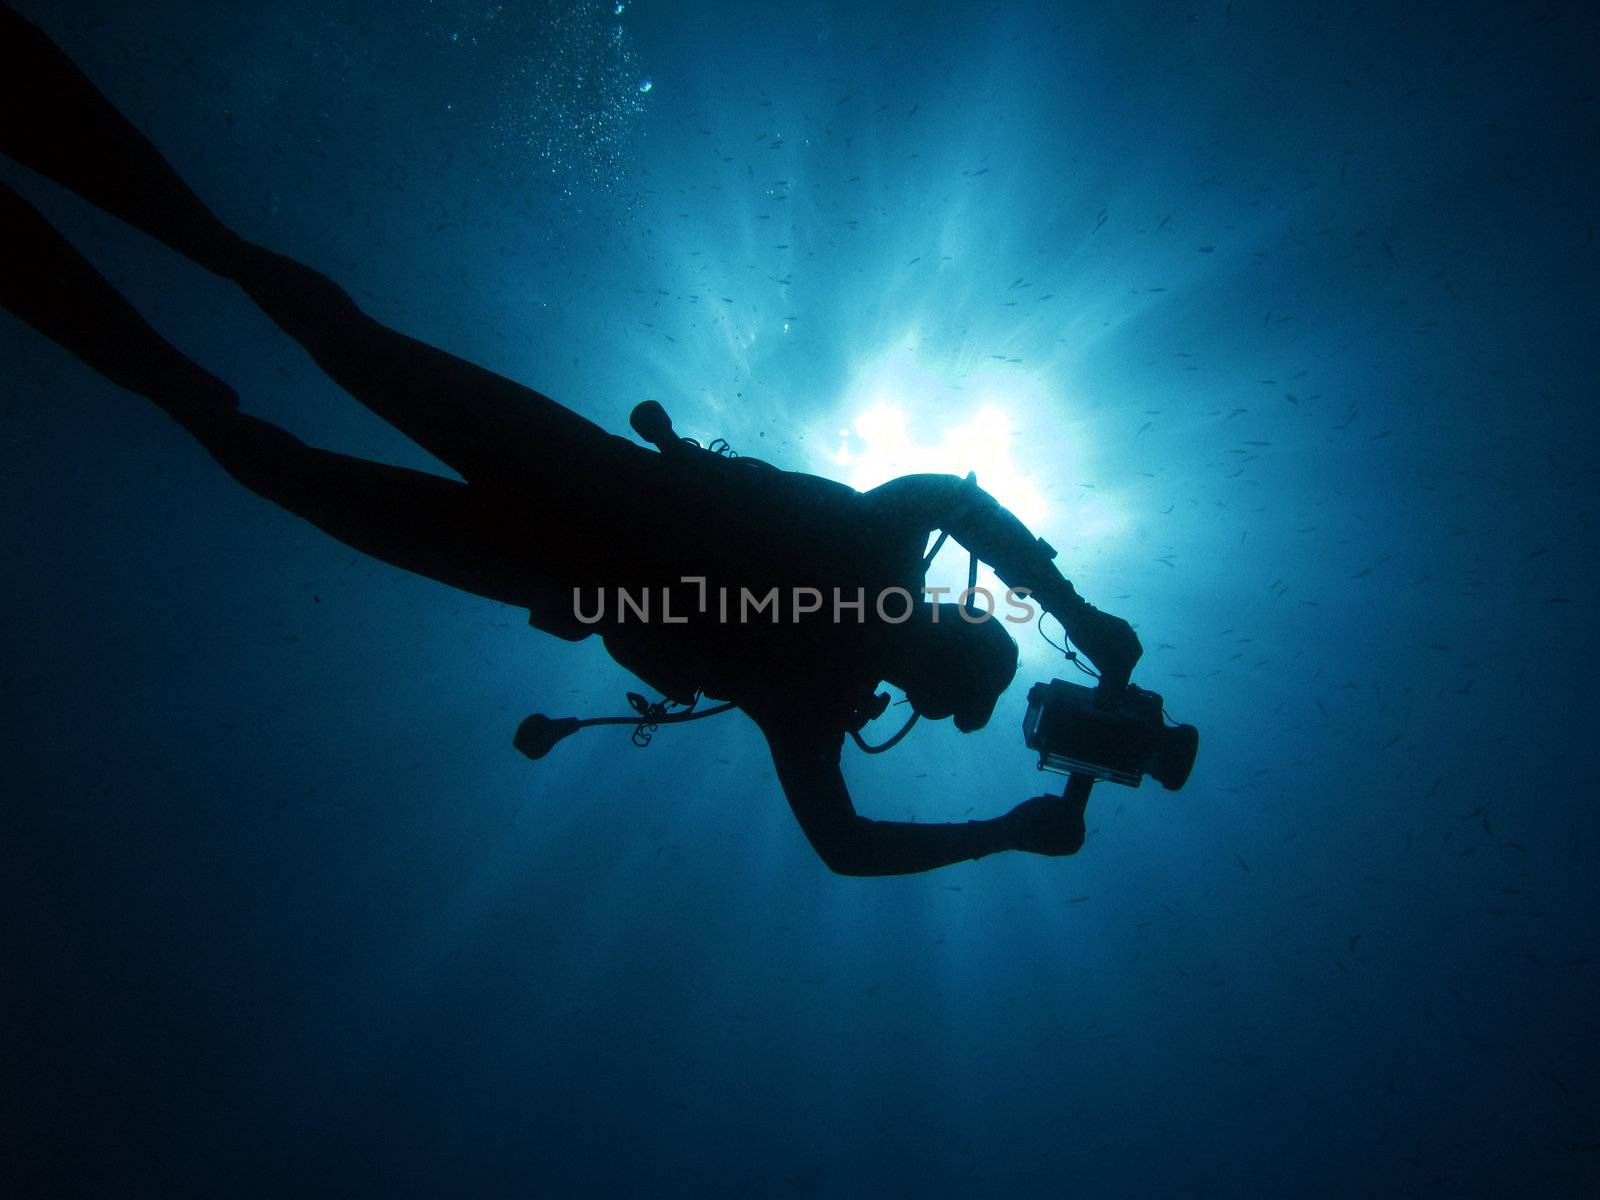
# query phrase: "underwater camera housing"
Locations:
[[1122, 743]]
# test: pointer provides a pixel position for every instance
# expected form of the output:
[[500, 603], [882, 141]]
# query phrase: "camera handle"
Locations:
[[1077, 789]]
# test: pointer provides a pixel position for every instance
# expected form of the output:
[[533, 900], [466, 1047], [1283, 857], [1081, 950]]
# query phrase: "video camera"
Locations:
[[1076, 733]]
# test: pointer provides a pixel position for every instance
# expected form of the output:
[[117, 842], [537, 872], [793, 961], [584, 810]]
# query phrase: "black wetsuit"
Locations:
[[551, 501]]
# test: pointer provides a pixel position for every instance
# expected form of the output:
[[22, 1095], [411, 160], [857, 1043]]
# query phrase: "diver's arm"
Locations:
[[1022, 561], [806, 754], [979, 522]]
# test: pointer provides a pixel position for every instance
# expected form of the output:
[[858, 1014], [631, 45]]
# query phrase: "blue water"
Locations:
[[1290, 314]]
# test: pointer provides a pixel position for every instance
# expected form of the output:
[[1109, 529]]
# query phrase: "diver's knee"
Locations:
[[256, 453], [305, 303]]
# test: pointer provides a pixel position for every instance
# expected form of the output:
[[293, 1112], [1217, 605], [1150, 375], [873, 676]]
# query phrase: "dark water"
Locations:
[[1290, 310]]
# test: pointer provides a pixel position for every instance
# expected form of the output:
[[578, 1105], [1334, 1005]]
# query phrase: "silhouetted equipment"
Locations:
[[538, 734], [969, 597], [650, 421], [1077, 734], [865, 714]]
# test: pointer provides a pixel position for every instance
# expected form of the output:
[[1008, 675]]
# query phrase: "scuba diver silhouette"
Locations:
[[550, 510]]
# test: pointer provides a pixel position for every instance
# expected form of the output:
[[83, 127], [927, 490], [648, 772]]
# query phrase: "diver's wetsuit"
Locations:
[[540, 479]]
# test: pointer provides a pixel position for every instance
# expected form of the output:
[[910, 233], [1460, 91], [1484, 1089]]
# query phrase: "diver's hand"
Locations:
[[1050, 825], [1109, 642]]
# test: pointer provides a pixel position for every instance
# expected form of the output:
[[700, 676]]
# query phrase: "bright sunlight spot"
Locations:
[[909, 417], [904, 416]]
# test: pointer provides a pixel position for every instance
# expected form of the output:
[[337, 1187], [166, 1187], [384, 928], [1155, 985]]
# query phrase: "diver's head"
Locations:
[[951, 666]]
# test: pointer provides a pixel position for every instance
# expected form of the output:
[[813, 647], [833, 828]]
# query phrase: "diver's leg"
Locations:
[[436, 527], [53, 119], [51, 286], [489, 428]]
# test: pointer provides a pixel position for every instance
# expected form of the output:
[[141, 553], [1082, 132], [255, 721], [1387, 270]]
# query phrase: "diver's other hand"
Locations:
[[1109, 642], [1050, 825]]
